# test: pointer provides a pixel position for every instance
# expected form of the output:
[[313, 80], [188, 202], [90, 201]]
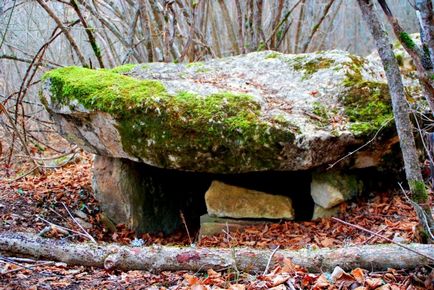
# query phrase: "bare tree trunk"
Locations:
[[96, 49], [274, 24], [240, 27], [229, 26], [316, 27], [400, 111], [65, 31], [299, 26], [161, 258], [214, 29], [258, 23], [426, 17], [421, 60]]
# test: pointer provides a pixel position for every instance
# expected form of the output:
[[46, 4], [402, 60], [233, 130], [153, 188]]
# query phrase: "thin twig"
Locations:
[[79, 225], [373, 236], [73, 150], [65, 31], [290, 284], [269, 260], [28, 267], [420, 213], [61, 227], [23, 175], [5, 111], [383, 237], [186, 227], [11, 261], [62, 164], [8, 24], [363, 146]]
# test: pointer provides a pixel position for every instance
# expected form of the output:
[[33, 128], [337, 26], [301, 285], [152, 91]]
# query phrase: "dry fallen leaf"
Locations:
[[280, 287], [384, 287], [359, 275], [374, 282], [321, 282], [237, 287], [198, 287]]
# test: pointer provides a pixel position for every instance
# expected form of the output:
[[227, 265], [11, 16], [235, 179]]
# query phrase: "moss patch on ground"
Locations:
[[222, 132]]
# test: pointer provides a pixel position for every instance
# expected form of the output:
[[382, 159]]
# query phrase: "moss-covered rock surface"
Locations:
[[260, 111]]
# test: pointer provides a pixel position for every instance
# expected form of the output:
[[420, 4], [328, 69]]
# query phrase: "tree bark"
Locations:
[[426, 17], [404, 126], [165, 258], [95, 47], [316, 27], [65, 31], [420, 59]]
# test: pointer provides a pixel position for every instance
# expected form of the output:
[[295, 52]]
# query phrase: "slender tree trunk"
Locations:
[[317, 26], [95, 47], [400, 111], [65, 32], [229, 27], [299, 27], [214, 29], [240, 27], [420, 59], [426, 17], [275, 23]]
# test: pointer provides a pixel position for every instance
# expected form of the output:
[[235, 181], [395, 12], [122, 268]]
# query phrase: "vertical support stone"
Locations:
[[329, 189], [145, 198], [117, 186]]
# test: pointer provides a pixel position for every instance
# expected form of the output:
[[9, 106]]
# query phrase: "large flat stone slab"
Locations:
[[254, 112], [223, 200]]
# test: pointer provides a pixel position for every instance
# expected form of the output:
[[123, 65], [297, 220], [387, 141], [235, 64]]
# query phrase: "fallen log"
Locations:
[[161, 258]]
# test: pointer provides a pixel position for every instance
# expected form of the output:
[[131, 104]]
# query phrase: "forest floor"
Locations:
[[40, 203]]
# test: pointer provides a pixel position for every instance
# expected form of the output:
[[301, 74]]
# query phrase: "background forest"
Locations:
[[39, 35]]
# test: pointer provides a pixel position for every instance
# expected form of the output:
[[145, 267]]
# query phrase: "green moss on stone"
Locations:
[[272, 55], [400, 59], [348, 184], [322, 112], [218, 132], [123, 68], [418, 190], [101, 89], [198, 67], [312, 66], [195, 64], [367, 103], [406, 39]]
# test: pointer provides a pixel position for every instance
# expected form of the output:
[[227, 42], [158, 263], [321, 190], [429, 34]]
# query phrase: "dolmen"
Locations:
[[258, 136]]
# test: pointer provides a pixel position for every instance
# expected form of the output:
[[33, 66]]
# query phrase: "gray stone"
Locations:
[[223, 200], [84, 223], [329, 189], [320, 212], [117, 188], [142, 197], [215, 225], [253, 112]]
